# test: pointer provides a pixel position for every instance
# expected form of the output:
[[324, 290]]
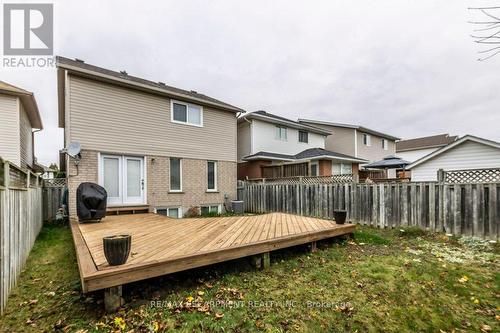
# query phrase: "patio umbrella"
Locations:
[[389, 162]]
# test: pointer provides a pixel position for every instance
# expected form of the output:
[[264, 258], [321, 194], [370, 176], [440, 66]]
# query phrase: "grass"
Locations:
[[380, 280]]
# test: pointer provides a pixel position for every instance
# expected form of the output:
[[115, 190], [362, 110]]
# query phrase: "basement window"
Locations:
[[204, 210], [173, 212]]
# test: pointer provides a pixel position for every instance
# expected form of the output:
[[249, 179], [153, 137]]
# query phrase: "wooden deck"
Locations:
[[162, 245]]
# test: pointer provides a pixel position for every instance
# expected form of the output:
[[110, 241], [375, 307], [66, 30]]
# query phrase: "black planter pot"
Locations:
[[339, 216], [117, 249]]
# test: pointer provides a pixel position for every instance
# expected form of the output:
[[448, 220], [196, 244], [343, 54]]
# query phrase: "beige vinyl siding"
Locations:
[[114, 119], [341, 140], [468, 155], [9, 129], [374, 152], [26, 140]]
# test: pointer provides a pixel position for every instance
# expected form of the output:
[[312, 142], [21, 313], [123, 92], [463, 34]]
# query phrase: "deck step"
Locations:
[[127, 210]]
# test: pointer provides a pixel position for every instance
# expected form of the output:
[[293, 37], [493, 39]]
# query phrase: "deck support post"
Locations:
[[112, 299], [314, 247], [266, 260]]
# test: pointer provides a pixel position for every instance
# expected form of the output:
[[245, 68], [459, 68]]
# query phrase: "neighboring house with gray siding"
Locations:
[[150, 145], [355, 140], [467, 153], [272, 146], [20, 118]]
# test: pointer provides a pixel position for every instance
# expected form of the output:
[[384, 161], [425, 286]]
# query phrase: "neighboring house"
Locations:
[[414, 149], [150, 145], [467, 153], [45, 172], [355, 140], [271, 146], [20, 119]]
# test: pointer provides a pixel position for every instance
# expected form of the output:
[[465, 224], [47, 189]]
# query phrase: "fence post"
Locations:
[[441, 201]]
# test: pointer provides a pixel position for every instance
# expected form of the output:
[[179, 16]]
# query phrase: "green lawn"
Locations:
[[382, 280]]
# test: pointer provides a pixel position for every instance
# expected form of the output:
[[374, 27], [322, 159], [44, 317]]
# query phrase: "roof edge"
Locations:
[[127, 82], [357, 127], [455, 143]]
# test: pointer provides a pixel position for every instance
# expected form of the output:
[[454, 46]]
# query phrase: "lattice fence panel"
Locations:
[[336, 179], [472, 176], [55, 182]]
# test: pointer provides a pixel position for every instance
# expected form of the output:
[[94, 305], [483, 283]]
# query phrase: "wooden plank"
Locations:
[[86, 265], [492, 212], [110, 278]]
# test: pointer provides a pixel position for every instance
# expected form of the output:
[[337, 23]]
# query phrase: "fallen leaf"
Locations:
[[201, 293], [463, 279], [486, 328], [219, 315]]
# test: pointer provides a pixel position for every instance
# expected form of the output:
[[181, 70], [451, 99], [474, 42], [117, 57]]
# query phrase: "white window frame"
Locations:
[[307, 136], [100, 177], [368, 140], [278, 136], [385, 144], [219, 207], [168, 211], [170, 174], [172, 102], [215, 177], [341, 168]]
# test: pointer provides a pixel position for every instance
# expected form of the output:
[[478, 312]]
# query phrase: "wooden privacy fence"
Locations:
[[53, 190], [20, 222], [459, 209]]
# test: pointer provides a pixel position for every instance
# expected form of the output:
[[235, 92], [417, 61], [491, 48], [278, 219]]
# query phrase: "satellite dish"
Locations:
[[74, 149]]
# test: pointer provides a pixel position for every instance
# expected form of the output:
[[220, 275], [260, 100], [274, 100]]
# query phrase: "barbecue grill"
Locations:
[[90, 202]]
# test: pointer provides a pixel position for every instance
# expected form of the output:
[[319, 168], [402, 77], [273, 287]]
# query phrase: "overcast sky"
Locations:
[[407, 68]]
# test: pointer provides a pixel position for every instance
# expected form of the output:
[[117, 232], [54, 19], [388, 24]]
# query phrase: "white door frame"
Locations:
[[139, 199], [122, 200]]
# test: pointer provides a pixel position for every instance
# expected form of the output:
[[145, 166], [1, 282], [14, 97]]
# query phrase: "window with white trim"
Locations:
[[174, 212], [281, 133], [187, 113], [211, 176], [341, 168], [367, 139], [175, 174], [208, 209], [384, 144]]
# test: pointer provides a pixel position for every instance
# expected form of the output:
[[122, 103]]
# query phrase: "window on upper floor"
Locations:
[[367, 139], [303, 136], [186, 113], [281, 133], [385, 144]]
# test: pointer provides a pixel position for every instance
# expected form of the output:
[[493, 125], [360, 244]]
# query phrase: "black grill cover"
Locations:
[[91, 202]]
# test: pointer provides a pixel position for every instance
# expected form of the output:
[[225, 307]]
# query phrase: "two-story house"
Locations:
[[271, 146], [355, 140], [20, 120], [150, 145]]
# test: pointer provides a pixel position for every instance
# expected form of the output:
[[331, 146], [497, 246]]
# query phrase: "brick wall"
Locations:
[[194, 181], [87, 172]]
